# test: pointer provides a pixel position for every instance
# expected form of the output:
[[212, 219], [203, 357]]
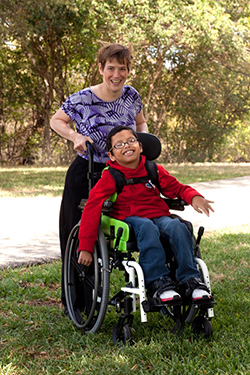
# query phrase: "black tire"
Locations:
[[202, 326], [87, 288], [123, 336]]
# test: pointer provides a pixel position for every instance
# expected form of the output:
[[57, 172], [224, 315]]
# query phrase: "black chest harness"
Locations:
[[151, 178]]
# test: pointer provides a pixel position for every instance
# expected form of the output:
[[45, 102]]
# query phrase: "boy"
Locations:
[[141, 206]]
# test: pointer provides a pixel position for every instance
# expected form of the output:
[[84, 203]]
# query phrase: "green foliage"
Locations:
[[199, 80], [237, 146], [41, 38], [191, 66]]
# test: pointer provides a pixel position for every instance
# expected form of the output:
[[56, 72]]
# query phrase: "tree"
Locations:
[[191, 65], [198, 74], [191, 69], [45, 35]]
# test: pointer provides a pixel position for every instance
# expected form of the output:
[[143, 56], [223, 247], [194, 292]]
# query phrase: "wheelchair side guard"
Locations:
[[204, 271], [205, 309], [205, 277], [131, 267], [110, 224], [122, 330]]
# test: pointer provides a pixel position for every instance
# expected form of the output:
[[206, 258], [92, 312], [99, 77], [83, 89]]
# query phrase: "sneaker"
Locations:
[[168, 296], [164, 289], [196, 291], [200, 294]]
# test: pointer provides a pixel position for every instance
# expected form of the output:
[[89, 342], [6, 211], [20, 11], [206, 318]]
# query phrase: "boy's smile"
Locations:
[[128, 152], [128, 155]]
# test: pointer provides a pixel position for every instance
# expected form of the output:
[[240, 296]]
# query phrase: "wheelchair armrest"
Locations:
[[175, 204], [82, 203], [106, 208]]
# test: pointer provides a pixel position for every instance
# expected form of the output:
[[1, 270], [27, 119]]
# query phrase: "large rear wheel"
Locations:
[[87, 288]]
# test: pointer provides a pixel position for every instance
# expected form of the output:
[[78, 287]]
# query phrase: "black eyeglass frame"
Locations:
[[121, 145]]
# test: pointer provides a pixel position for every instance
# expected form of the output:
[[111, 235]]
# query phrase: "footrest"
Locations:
[[155, 304], [206, 302]]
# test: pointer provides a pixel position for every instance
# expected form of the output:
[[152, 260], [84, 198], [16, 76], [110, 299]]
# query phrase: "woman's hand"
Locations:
[[79, 141]]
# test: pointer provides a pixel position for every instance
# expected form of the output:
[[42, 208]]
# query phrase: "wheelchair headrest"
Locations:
[[151, 145]]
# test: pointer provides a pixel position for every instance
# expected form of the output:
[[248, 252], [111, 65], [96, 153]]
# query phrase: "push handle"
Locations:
[[91, 165]]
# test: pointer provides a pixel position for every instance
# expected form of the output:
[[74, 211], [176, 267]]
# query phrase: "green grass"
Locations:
[[49, 181], [200, 172], [32, 181], [35, 338]]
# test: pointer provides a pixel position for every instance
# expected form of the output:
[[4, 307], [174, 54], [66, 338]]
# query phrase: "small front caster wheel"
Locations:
[[201, 325], [121, 335]]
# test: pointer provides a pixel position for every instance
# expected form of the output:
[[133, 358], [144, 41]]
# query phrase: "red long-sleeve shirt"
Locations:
[[135, 200]]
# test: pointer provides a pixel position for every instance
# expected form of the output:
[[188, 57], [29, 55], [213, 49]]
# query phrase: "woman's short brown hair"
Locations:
[[109, 51]]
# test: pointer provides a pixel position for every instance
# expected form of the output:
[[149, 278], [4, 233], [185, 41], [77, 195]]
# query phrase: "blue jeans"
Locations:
[[152, 256]]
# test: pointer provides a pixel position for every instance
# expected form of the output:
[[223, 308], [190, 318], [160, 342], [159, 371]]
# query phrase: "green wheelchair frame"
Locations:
[[87, 289]]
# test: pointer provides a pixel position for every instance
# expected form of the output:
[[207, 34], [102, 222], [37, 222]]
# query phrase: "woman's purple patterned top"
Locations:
[[94, 117]]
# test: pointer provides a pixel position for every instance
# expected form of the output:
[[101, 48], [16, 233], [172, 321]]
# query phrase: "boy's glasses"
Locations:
[[118, 146]]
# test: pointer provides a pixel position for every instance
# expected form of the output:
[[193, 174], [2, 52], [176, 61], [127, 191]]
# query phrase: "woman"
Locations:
[[95, 111]]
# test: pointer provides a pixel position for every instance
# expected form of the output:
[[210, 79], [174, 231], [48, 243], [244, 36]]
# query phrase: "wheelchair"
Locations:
[[87, 289]]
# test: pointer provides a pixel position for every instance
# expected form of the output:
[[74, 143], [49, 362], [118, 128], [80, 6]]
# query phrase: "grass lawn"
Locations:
[[49, 181], [35, 338]]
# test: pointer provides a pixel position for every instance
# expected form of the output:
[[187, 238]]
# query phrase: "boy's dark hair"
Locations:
[[109, 51], [115, 130]]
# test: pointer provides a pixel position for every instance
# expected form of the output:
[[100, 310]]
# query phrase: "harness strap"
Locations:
[[121, 181], [139, 180]]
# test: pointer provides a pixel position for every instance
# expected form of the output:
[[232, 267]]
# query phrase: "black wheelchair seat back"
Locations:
[[151, 145]]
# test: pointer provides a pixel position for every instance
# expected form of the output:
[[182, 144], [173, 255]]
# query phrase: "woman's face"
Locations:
[[114, 74]]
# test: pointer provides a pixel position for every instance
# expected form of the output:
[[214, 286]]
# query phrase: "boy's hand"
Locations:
[[85, 258], [200, 205]]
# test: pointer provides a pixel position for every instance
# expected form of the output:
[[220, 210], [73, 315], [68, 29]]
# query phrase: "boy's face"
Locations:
[[127, 155]]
